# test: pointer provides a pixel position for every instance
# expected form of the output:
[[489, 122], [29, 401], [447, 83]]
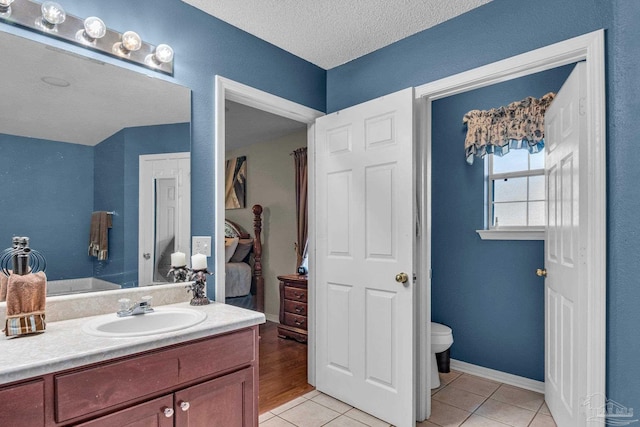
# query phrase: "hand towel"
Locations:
[[99, 235], [3, 286], [26, 299]]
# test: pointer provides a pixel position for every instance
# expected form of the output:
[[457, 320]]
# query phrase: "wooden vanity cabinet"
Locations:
[[208, 382]]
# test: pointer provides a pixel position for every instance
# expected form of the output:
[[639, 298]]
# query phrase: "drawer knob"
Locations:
[[298, 310], [168, 412], [297, 322], [184, 406]]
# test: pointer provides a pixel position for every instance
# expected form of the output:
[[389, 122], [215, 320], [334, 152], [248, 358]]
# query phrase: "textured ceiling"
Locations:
[[329, 33], [100, 99]]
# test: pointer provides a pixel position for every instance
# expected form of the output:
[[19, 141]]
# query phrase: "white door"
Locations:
[[565, 255], [364, 238], [164, 212]]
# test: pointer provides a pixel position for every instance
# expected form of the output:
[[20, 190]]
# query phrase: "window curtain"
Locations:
[[518, 125], [300, 158]]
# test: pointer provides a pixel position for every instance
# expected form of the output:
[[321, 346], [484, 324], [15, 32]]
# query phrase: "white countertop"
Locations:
[[64, 345]]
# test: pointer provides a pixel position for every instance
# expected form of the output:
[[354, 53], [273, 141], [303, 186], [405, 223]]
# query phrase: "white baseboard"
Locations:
[[503, 377], [272, 317]]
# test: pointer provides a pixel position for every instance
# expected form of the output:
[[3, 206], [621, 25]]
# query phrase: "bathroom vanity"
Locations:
[[203, 375]]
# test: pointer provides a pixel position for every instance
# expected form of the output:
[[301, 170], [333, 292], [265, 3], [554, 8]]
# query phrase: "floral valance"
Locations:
[[518, 125]]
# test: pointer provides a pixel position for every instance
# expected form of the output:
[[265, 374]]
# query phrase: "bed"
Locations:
[[244, 284]]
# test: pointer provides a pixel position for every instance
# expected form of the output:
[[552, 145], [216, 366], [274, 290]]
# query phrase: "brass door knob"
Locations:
[[541, 272], [402, 278]]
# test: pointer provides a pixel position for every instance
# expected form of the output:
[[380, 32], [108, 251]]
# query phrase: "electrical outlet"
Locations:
[[201, 245]]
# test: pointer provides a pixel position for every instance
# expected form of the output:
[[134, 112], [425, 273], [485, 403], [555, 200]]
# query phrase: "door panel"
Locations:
[[364, 237], [566, 308]]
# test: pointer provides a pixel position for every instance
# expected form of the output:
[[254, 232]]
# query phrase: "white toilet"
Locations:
[[441, 340]]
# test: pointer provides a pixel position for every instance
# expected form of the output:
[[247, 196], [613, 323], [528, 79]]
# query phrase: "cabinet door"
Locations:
[[22, 405], [228, 401], [156, 413]]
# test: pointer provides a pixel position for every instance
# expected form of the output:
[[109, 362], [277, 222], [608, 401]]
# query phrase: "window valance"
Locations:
[[518, 125]]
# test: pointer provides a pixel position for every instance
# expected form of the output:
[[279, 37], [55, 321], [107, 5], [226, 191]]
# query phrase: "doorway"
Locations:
[[242, 96], [589, 48]]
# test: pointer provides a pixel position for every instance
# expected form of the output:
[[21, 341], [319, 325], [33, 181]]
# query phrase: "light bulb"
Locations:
[[131, 41], [94, 28], [52, 13], [5, 8], [162, 55]]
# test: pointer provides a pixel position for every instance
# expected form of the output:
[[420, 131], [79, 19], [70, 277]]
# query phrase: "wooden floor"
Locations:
[[283, 369]]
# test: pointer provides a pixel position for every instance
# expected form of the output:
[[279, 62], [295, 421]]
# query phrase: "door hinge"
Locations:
[[582, 106]]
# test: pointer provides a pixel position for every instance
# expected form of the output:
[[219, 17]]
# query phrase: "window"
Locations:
[[516, 191]]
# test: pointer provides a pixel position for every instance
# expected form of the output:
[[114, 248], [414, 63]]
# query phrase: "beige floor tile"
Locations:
[[478, 421], [526, 399], [309, 414], [276, 422], [365, 418], [311, 394], [426, 423], [264, 417], [446, 378], [544, 409], [505, 413], [446, 415], [295, 402], [331, 403], [459, 398], [542, 420], [344, 421], [475, 385]]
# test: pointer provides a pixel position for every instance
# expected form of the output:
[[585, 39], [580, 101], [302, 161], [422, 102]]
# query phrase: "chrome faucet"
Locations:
[[142, 307]]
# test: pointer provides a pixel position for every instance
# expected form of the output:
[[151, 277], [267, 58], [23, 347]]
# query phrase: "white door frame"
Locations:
[[256, 98], [589, 47]]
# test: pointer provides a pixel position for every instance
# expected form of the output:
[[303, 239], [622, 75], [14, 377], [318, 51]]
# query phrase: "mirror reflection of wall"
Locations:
[[71, 133]]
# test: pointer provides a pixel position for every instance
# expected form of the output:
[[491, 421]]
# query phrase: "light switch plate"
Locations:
[[201, 245]]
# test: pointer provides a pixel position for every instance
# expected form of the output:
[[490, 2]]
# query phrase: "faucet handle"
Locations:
[[146, 300], [124, 304]]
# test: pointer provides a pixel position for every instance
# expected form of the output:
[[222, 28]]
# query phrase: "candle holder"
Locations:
[[198, 286], [179, 274]]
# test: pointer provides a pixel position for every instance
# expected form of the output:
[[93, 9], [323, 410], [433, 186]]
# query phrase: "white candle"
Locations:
[[178, 259], [198, 262]]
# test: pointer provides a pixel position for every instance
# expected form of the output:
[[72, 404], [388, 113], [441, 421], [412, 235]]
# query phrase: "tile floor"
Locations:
[[462, 400]]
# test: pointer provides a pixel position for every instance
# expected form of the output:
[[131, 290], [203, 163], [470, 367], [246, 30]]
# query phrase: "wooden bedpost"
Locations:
[[257, 256]]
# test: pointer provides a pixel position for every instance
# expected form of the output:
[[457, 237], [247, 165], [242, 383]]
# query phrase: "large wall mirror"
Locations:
[[79, 136]]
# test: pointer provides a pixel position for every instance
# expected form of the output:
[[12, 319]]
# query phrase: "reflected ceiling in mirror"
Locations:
[[71, 132]]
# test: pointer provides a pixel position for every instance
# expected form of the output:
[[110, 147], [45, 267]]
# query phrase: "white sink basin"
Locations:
[[160, 321]]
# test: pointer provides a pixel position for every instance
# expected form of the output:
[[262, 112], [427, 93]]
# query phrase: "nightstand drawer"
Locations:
[[295, 307], [295, 321], [295, 294]]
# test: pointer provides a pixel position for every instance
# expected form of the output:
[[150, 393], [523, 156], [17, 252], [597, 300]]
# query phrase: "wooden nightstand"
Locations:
[[293, 307]]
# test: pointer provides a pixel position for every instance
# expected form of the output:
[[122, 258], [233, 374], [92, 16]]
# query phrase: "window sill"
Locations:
[[513, 234]]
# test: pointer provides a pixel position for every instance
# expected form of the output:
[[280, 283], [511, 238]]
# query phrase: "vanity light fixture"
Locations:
[[50, 18], [162, 55], [52, 15], [94, 28], [5, 8]]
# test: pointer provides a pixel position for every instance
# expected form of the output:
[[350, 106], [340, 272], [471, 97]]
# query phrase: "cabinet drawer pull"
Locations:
[[168, 412], [297, 295], [298, 323], [185, 406], [298, 310]]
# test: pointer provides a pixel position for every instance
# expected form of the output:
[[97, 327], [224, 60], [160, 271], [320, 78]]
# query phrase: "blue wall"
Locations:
[[484, 289], [116, 189], [109, 196], [29, 195], [505, 28]]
